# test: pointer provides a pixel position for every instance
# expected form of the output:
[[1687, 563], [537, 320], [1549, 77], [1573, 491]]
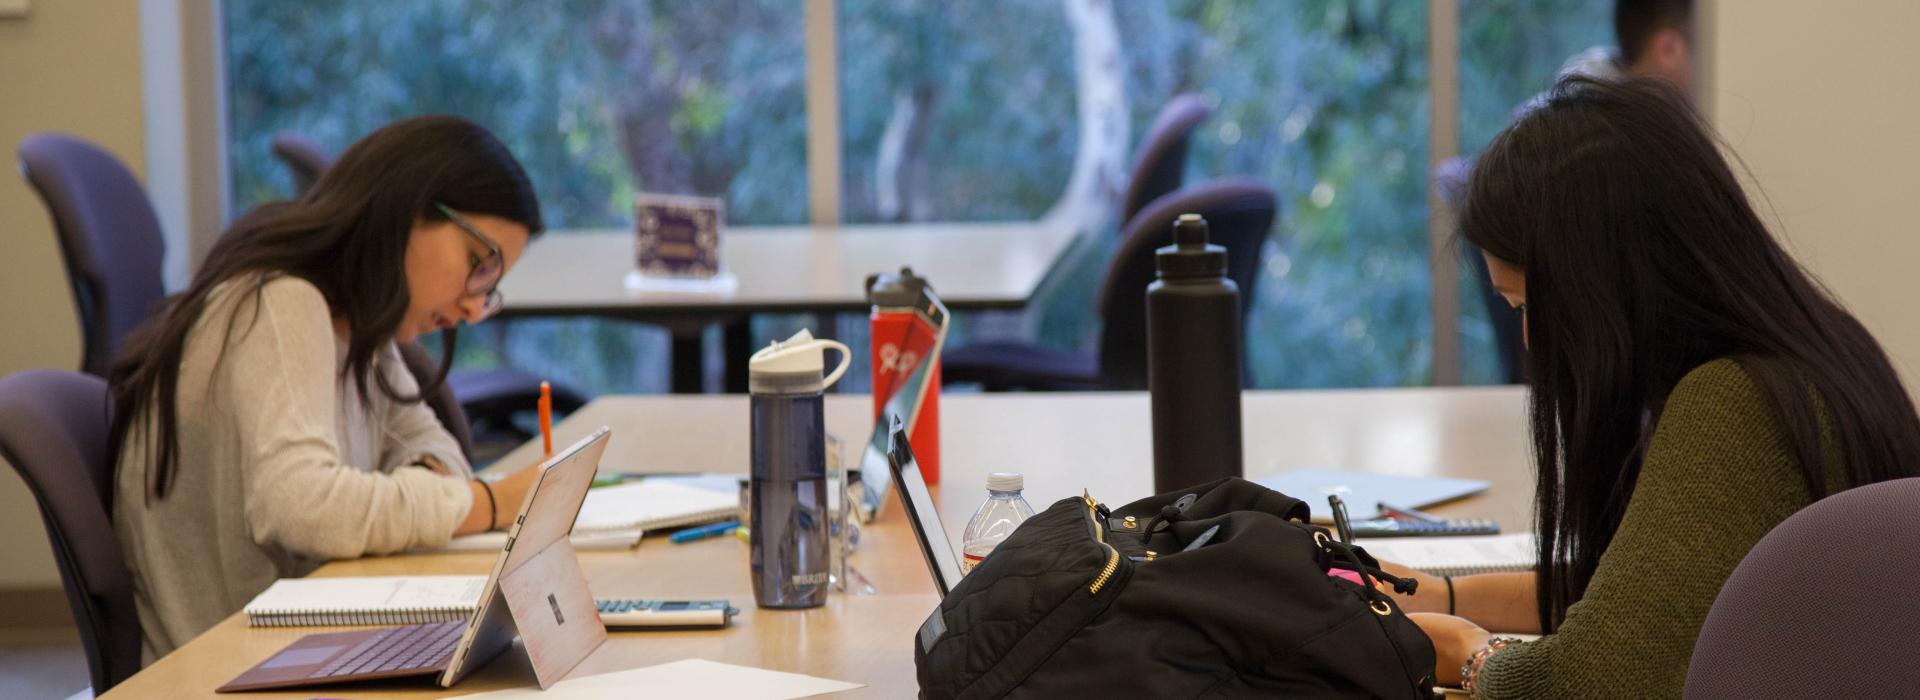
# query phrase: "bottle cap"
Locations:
[[794, 365], [1005, 481], [888, 290], [1190, 255]]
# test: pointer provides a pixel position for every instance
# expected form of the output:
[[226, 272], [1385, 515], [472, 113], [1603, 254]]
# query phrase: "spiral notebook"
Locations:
[[365, 600], [1458, 556]]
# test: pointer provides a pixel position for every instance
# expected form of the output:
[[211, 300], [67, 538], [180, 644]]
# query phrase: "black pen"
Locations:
[[1397, 512], [1340, 524]]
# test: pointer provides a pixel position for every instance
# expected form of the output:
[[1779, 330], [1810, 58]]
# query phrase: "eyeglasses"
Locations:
[[484, 279]]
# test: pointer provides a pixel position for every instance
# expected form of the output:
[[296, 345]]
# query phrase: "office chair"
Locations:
[[1160, 161], [1159, 167], [110, 239], [53, 430], [305, 159], [486, 399], [1822, 607], [1239, 213]]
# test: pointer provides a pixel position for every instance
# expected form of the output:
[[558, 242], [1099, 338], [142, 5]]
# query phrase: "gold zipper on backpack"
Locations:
[[1113, 555]]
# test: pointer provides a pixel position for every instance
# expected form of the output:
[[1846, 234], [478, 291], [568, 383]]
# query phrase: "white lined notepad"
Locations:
[[365, 600], [1458, 556], [653, 504]]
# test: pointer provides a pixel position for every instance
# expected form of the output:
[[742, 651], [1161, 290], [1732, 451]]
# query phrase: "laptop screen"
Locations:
[[925, 518], [544, 519]]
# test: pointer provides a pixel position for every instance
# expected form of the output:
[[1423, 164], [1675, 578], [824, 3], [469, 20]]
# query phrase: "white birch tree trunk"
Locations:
[[1099, 164]]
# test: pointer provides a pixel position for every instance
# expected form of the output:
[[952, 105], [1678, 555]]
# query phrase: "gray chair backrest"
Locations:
[[1823, 606], [1450, 180], [1160, 161], [445, 405], [305, 159], [1239, 213], [53, 430], [109, 238]]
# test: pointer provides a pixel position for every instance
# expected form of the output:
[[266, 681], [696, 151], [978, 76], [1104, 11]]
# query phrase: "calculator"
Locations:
[[1403, 527], [618, 613]]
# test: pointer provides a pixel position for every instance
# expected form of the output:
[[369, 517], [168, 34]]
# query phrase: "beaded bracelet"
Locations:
[[1470, 671]]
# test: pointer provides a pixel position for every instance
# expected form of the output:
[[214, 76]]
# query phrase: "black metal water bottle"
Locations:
[[787, 494], [1193, 361]]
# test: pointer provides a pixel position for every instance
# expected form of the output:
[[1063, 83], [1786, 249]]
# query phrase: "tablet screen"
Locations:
[[934, 546]]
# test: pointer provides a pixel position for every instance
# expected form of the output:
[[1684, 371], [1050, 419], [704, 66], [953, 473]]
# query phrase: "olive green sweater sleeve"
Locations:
[[1716, 477]]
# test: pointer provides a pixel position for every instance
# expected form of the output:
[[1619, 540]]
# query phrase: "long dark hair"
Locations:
[[347, 235], [1643, 260]]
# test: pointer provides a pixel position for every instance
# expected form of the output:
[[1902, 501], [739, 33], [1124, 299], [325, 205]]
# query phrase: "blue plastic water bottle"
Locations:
[[788, 491]]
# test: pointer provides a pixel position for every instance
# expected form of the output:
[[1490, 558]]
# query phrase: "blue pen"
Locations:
[[703, 532]]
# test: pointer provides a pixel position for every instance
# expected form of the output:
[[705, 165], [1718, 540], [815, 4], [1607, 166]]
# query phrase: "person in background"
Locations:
[[263, 420], [1691, 386], [1655, 41]]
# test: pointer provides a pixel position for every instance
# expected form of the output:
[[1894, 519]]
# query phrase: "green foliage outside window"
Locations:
[[1325, 100]]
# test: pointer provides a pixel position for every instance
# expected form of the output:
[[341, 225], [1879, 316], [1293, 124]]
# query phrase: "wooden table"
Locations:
[[1061, 442], [784, 268]]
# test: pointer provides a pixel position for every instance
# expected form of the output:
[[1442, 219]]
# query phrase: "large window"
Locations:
[[597, 99], [1510, 51], [949, 111]]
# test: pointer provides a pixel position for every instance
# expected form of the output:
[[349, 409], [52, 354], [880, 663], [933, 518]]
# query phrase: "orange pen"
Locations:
[[546, 417]]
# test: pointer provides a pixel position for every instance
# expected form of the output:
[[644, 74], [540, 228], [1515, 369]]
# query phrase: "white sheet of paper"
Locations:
[[707, 680]]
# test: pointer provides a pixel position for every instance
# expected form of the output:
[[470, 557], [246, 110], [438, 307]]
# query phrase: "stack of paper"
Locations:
[[493, 541], [1458, 556], [692, 678], [653, 504]]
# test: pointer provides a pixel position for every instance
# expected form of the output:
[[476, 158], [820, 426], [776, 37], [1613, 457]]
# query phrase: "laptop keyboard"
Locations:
[[397, 649]]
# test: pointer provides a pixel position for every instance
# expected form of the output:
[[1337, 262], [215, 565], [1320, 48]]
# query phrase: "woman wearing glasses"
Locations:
[[263, 419]]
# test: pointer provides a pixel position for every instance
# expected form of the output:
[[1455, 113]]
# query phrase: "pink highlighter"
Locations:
[[1346, 574]]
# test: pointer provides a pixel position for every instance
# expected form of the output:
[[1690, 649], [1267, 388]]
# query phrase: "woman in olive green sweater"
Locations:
[[1691, 388]]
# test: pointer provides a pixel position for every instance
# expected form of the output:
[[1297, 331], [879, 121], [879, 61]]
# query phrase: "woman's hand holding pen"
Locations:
[[496, 502]]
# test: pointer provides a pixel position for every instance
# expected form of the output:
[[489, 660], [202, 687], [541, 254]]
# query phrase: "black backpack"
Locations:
[[1217, 591]]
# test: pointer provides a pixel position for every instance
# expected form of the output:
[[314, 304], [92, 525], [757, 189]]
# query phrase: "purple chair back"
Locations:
[[1160, 161], [305, 159], [1823, 606], [53, 430], [109, 238], [1239, 213]]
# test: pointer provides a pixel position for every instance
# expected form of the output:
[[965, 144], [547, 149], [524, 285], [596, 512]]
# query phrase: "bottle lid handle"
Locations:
[[846, 358]]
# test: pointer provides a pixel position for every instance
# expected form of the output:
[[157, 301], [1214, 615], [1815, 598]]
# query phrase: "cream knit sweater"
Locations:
[[281, 465]]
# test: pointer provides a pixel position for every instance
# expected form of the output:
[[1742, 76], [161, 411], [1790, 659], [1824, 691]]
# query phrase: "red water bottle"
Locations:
[[909, 327]]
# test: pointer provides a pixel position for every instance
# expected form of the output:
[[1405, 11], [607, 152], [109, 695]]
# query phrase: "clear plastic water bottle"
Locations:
[[1004, 510]]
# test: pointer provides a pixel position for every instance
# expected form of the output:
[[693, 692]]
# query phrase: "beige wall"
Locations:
[[1818, 99], [72, 66]]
